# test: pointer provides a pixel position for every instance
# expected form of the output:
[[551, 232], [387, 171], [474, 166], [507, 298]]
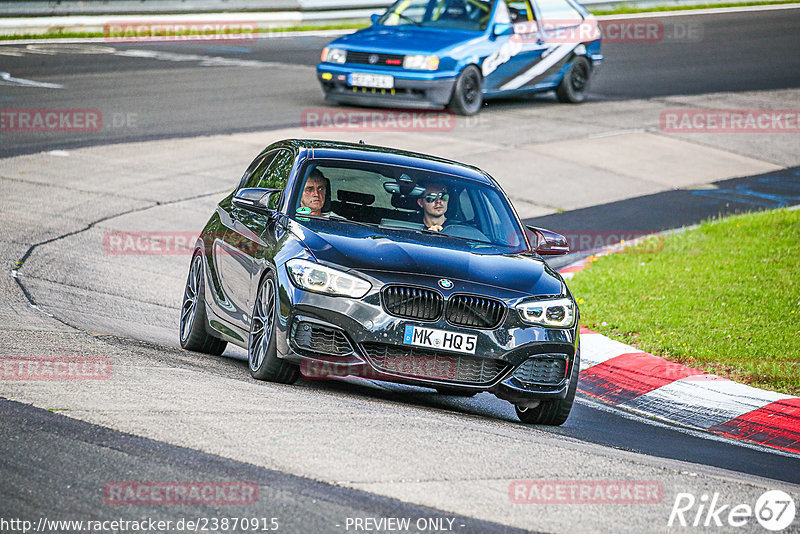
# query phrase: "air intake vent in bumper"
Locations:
[[433, 365]]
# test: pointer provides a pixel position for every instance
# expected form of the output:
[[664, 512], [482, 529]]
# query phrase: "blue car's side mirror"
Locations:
[[502, 28], [374, 18]]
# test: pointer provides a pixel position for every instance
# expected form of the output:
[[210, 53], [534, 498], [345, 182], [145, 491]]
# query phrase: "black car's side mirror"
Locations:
[[374, 18], [502, 28], [548, 243], [257, 199]]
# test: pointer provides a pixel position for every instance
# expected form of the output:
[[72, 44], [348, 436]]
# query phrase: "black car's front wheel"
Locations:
[[575, 84], [553, 412], [193, 332], [467, 92], [262, 354]]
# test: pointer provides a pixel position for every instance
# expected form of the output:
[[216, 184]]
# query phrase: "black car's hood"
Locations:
[[380, 249]]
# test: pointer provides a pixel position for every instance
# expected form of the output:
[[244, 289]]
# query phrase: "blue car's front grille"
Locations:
[[372, 58]]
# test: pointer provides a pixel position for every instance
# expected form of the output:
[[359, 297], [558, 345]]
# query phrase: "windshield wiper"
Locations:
[[336, 217], [407, 18]]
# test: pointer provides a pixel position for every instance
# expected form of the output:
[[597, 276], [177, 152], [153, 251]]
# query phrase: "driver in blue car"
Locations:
[[434, 205]]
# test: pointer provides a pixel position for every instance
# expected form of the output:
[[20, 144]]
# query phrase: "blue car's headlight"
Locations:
[[421, 62], [321, 279], [553, 312], [334, 55]]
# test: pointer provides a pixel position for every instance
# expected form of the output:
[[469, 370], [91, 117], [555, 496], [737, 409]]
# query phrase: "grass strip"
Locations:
[[621, 10], [723, 298]]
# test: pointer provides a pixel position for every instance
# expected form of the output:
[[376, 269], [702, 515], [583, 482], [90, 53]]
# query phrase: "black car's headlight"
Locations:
[[321, 279], [558, 312], [333, 55]]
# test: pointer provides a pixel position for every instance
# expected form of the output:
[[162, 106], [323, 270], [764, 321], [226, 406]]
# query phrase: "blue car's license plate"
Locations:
[[439, 339], [378, 81]]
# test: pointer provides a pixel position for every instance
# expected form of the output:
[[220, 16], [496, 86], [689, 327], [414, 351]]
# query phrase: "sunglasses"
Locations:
[[433, 197]]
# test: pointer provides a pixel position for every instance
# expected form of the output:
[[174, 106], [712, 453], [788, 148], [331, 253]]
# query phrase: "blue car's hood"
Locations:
[[403, 39], [379, 249]]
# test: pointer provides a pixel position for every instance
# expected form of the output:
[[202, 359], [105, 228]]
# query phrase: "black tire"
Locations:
[[193, 333], [575, 84], [467, 97], [262, 356], [456, 392], [553, 412]]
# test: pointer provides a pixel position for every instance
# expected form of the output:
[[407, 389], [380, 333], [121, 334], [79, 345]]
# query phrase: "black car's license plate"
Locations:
[[439, 339]]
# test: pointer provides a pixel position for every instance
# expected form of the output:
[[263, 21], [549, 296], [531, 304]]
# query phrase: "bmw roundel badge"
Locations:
[[444, 283]]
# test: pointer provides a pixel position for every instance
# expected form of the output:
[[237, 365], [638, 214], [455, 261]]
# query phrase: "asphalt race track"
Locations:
[[179, 121]]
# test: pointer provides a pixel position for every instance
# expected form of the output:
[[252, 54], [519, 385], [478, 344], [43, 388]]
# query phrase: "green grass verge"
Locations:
[[277, 31], [622, 10], [723, 298]]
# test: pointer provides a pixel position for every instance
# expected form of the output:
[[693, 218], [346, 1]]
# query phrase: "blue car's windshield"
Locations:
[[409, 199], [454, 14]]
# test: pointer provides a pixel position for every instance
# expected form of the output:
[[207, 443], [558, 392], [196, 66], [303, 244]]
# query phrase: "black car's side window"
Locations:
[[277, 173], [256, 169]]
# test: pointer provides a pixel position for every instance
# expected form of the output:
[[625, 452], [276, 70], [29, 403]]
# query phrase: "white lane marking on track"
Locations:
[[634, 415], [597, 348], [205, 61], [703, 401], [7, 79], [72, 49]]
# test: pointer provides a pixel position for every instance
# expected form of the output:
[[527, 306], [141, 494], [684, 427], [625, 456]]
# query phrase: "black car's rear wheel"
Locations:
[[193, 313], [553, 412], [575, 84], [262, 354], [467, 92]]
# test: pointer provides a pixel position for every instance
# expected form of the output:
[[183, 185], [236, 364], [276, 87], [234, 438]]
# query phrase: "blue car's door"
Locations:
[[545, 34], [517, 45]]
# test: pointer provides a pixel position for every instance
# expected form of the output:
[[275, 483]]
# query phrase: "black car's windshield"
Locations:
[[408, 199], [455, 14]]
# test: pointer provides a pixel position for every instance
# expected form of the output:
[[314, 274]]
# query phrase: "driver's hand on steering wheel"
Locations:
[[435, 228]]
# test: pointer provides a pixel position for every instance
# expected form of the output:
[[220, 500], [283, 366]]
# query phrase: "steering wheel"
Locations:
[[466, 231]]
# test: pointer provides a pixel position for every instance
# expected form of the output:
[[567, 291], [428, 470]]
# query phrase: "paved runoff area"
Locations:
[[73, 292]]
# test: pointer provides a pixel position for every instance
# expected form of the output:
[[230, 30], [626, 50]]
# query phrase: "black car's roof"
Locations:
[[320, 149]]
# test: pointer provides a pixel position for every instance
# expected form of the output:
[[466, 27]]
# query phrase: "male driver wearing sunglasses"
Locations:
[[434, 206]]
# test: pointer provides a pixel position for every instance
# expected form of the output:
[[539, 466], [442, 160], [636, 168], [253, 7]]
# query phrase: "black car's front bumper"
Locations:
[[335, 336]]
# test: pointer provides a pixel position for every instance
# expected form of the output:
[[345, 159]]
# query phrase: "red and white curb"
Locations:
[[626, 377]]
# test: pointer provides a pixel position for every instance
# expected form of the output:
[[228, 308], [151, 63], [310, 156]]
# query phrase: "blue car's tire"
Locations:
[[193, 313], [262, 354], [467, 95], [575, 84]]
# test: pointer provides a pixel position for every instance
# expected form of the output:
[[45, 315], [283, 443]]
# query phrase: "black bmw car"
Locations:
[[389, 264]]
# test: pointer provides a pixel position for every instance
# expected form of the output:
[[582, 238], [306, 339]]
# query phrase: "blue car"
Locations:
[[457, 53]]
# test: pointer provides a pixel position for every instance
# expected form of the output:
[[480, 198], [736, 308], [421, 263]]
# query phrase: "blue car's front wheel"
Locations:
[[467, 95], [575, 84]]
